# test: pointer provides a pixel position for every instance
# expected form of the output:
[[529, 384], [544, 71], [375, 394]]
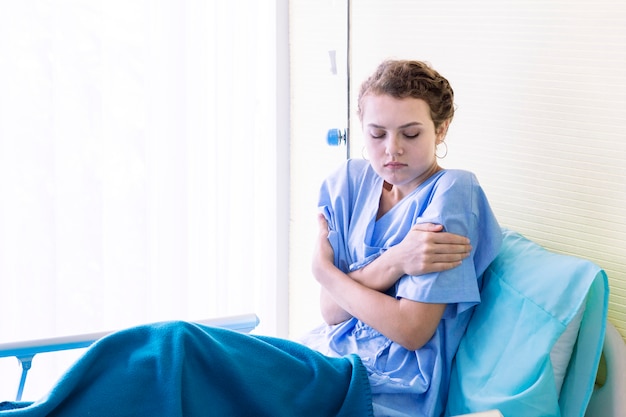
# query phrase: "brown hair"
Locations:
[[415, 79]]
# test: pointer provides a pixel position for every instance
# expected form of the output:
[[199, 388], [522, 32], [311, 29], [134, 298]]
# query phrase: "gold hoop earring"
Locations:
[[446, 152]]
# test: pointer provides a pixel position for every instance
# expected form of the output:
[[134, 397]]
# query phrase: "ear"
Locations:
[[442, 131]]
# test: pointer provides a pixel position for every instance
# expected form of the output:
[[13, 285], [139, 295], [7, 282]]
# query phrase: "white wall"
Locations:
[[541, 110], [318, 103]]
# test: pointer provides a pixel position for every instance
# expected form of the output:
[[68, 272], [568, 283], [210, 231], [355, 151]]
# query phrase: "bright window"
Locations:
[[139, 164]]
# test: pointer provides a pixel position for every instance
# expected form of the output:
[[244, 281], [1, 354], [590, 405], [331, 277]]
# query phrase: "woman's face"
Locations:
[[400, 139]]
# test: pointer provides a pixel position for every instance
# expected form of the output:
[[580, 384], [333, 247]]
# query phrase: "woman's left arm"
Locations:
[[406, 322], [425, 249]]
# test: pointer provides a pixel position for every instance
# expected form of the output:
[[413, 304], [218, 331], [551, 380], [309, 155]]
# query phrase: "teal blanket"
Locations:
[[182, 369]]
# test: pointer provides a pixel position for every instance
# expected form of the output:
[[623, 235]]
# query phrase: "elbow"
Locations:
[[418, 323], [334, 317], [412, 344], [409, 338], [414, 336], [331, 313]]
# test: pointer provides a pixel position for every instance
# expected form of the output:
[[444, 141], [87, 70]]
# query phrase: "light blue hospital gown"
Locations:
[[406, 383]]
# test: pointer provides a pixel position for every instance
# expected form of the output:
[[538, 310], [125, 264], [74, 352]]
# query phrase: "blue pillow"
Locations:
[[529, 298]]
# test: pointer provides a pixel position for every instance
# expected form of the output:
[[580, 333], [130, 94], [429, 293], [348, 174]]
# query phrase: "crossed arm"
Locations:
[[361, 293]]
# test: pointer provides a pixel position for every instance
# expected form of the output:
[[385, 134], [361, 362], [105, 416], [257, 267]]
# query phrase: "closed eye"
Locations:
[[377, 134], [411, 130]]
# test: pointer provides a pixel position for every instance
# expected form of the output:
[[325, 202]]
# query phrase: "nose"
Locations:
[[394, 146]]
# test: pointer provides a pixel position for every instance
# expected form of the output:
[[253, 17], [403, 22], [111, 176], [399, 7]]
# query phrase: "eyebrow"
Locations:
[[400, 127]]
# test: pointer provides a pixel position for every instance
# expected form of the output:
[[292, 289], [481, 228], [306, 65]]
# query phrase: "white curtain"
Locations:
[[138, 163]]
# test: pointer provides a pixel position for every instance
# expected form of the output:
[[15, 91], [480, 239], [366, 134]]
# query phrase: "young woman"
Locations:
[[405, 326]]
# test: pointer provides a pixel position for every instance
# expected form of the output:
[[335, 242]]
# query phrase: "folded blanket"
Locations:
[[182, 369]]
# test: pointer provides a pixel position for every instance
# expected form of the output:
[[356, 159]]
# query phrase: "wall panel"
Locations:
[[541, 113]]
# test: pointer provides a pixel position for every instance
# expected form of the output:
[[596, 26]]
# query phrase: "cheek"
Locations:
[[373, 149]]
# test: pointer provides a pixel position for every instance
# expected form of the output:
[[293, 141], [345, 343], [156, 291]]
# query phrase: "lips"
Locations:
[[394, 165]]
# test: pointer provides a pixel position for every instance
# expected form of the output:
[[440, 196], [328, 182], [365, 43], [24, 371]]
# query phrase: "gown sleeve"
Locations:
[[334, 203], [457, 202]]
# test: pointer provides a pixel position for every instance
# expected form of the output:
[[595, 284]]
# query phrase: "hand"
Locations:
[[323, 262], [427, 249], [323, 253]]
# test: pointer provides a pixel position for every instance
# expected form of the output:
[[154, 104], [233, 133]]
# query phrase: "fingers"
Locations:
[[445, 238], [440, 236], [322, 223], [437, 267], [451, 265], [454, 249], [444, 262], [449, 257], [324, 251], [427, 227]]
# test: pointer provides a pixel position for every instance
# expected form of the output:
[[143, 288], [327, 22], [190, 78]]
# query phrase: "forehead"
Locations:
[[385, 110]]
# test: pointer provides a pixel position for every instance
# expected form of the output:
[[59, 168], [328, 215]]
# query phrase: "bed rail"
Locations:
[[25, 351]]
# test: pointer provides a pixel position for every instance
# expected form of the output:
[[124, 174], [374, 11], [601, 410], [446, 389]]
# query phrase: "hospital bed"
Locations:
[[539, 344]]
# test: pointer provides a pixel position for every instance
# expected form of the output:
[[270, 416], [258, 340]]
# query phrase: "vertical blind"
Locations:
[[139, 178]]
